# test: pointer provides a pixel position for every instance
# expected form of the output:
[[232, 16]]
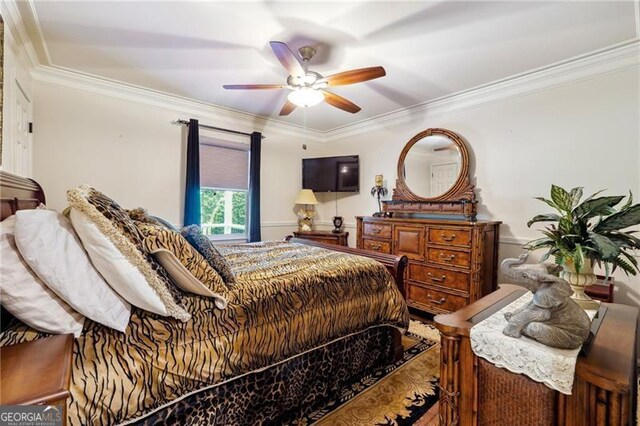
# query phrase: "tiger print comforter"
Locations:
[[288, 298]]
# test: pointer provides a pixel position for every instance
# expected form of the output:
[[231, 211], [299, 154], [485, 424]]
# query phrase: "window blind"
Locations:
[[224, 164]]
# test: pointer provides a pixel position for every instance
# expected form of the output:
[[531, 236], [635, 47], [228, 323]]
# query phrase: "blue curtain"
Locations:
[[254, 188], [192, 188]]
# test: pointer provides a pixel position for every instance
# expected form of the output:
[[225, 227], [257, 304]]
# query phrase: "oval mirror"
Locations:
[[433, 164]]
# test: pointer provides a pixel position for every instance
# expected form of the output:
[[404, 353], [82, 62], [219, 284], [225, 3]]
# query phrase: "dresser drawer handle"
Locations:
[[375, 246], [448, 238], [448, 258], [437, 302], [436, 279], [376, 230]]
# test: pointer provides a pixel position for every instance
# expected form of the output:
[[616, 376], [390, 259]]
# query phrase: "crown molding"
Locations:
[[59, 76], [605, 61], [591, 65], [32, 24], [17, 34]]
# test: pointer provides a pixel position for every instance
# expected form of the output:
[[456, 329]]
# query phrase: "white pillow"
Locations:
[[121, 275], [24, 295], [48, 243]]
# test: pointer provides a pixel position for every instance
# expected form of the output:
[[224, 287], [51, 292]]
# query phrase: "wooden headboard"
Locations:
[[18, 193]]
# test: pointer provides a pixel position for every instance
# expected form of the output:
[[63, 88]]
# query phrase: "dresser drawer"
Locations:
[[461, 259], [409, 241], [432, 298], [438, 276], [378, 230], [450, 236], [375, 245]]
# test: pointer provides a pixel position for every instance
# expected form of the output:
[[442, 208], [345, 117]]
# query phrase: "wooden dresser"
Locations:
[[451, 262]]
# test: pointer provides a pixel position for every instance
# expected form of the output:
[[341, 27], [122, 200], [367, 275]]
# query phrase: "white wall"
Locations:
[[581, 134], [132, 152], [585, 133]]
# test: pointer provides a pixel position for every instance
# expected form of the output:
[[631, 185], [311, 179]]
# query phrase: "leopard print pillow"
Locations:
[[194, 236], [116, 225], [167, 245], [140, 215]]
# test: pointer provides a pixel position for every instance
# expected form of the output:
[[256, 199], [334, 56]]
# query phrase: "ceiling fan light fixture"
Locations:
[[305, 97]]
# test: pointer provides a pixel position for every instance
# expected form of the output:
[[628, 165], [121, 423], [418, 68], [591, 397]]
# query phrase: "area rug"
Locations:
[[397, 394]]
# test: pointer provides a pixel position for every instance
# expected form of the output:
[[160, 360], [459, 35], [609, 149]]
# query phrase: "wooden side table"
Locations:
[[336, 238], [37, 373], [604, 390]]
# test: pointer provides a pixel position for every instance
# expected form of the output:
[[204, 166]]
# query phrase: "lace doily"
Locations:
[[552, 366]]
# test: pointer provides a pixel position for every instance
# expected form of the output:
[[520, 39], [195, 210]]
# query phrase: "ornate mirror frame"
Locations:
[[460, 199]]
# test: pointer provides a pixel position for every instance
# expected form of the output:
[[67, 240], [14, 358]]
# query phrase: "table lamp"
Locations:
[[306, 214]]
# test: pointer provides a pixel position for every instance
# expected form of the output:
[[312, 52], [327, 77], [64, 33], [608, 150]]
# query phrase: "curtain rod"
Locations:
[[186, 123]]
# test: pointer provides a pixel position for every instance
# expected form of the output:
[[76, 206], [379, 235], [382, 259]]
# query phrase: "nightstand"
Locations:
[[337, 238], [37, 373]]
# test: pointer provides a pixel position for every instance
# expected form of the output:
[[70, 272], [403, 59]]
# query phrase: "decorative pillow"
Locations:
[[47, 242], [140, 215], [120, 232], [26, 296], [123, 276], [189, 270], [205, 247]]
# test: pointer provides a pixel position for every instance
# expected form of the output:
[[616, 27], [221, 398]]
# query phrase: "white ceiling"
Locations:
[[429, 50]]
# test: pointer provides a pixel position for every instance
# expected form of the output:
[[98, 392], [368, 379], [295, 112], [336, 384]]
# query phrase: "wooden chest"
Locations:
[[476, 393], [451, 262]]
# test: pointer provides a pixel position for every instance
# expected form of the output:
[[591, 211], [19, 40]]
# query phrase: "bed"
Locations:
[[302, 321]]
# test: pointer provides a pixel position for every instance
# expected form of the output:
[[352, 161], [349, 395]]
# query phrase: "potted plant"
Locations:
[[583, 233], [379, 191]]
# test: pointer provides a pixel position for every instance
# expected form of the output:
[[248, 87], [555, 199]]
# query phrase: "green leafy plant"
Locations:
[[590, 230]]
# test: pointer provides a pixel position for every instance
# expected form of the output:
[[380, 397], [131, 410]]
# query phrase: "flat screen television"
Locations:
[[331, 174]]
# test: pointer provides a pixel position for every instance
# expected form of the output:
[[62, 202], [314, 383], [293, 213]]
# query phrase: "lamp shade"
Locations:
[[305, 196], [305, 97]]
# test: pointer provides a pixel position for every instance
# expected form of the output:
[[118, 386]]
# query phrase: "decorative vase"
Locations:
[[337, 224], [579, 281]]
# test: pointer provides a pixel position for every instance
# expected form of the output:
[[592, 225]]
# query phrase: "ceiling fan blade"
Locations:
[[355, 76], [340, 102], [287, 108], [253, 86], [287, 58]]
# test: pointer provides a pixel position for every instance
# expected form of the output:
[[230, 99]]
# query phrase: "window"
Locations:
[[224, 183]]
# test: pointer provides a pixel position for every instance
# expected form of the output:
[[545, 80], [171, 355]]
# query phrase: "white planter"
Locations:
[[579, 281]]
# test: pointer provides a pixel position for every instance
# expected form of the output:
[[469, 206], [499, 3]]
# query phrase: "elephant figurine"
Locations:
[[552, 317]]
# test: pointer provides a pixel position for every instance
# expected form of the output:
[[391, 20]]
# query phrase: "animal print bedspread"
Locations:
[[288, 298]]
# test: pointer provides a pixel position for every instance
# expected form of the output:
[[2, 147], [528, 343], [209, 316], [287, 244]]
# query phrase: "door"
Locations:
[[443, 176], [20, 133]]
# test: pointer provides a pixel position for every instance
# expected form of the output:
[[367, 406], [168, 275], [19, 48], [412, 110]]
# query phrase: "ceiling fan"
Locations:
[[308, 87]]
